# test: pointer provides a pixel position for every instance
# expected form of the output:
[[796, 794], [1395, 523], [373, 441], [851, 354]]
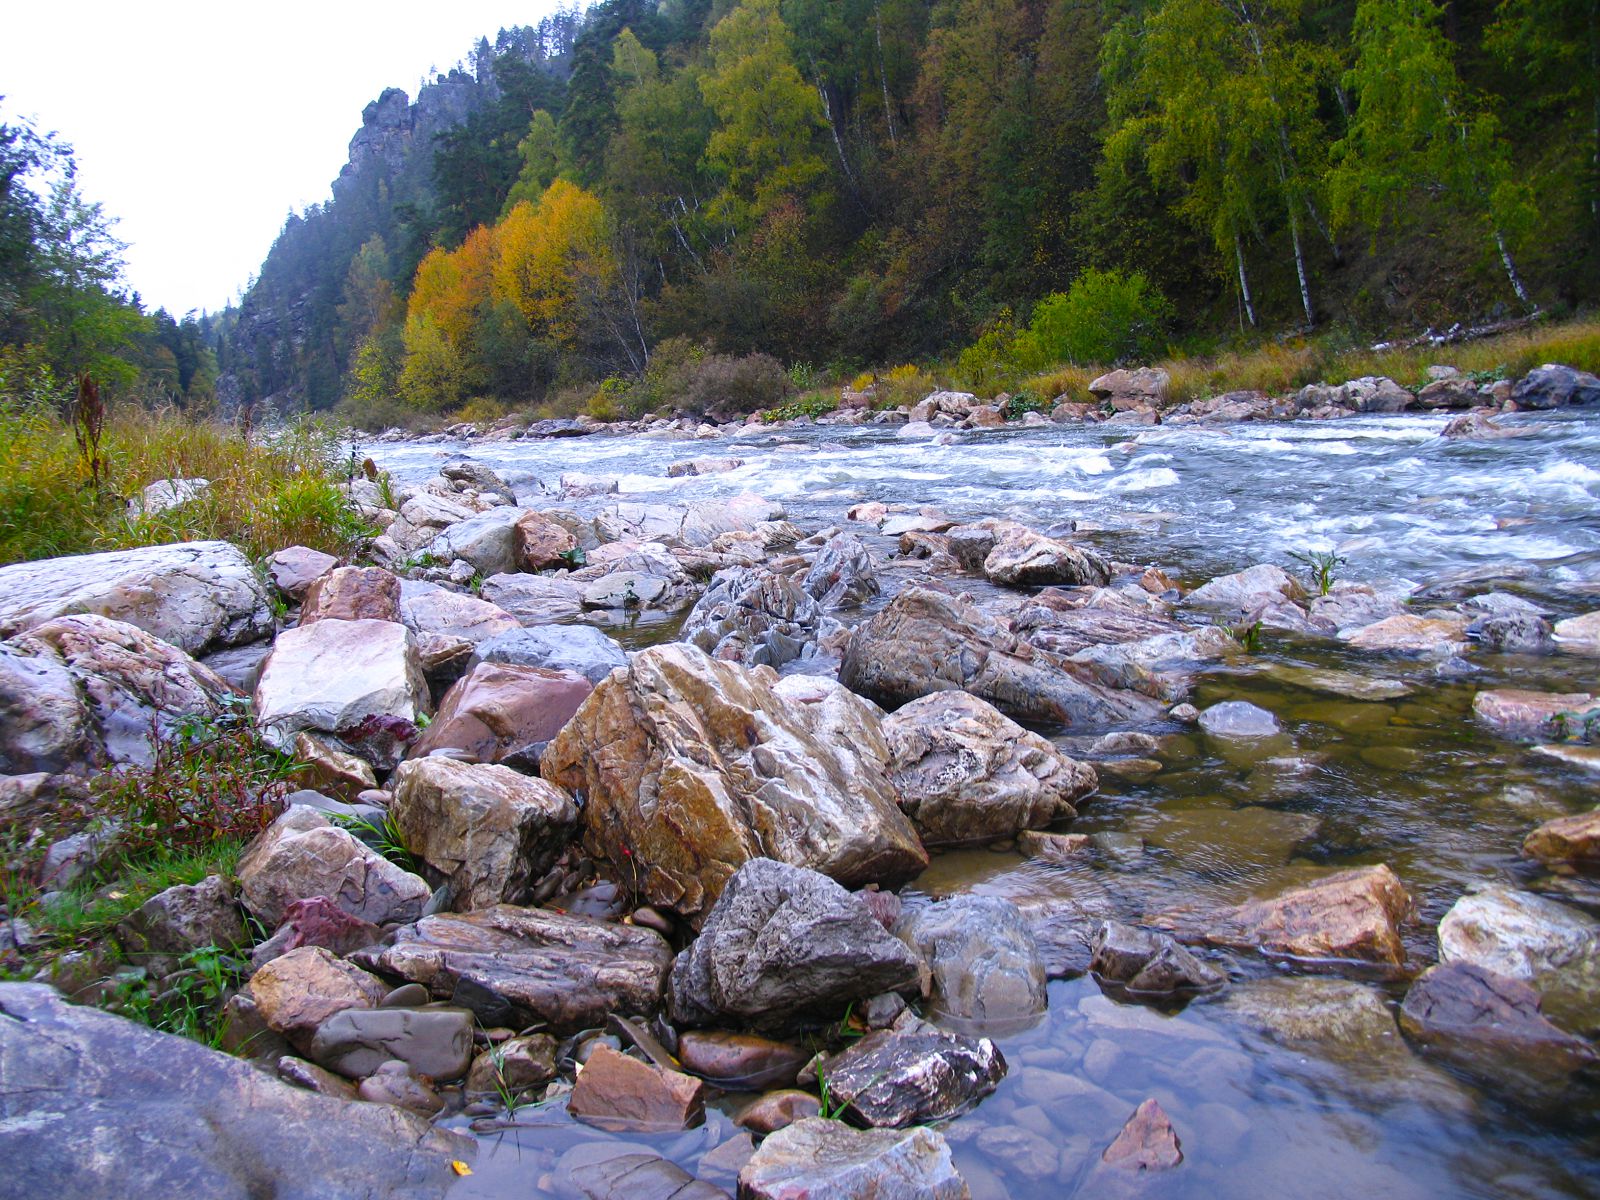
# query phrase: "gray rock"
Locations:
[[985, 966], [520, 966], [169, 1117], [842, 574], [535, 599], [181, 919], [1242, 593], [44, 726], [294, 569], [1555, 386], [452, 614], [967, 773], [487, 540], [928, 641], [198, 596], [583, 649], [1514, 633], [621, 1171], [1143, 963], [754, 616], [818, 1159], [1024, 558], [436, 1042], [783, 942], [166, 494], [912, 1073]]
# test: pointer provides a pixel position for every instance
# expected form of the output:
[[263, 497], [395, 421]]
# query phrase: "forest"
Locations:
[[650, 201]]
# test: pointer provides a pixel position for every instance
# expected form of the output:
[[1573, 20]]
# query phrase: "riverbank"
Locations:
[[1063, 685]]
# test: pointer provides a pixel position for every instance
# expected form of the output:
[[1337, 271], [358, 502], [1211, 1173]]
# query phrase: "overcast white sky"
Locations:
[[200, 125]]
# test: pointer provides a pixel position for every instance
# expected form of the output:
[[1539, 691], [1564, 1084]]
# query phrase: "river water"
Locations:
[[1409, 781]]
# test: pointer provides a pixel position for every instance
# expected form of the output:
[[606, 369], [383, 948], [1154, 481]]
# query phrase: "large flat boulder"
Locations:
[[198, 596], [360, 682], [488, 830], [113, 1110], [927, 641], [965, 772], [819, 1159], [581, 649], [520, 966], [690, 767], [82, 690], [783, 943]]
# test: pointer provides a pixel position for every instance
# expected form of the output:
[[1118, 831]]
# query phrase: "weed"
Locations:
[[385, 837], [574, 558], [1022, 403], [827, 1108], [812, 404], [1249, 637], [191, 1003], [1323, 563]]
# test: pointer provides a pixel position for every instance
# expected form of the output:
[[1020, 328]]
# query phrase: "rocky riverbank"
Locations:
[[674, 901]]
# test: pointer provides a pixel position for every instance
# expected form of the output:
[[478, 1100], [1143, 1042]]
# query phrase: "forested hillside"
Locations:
[[853, 183]]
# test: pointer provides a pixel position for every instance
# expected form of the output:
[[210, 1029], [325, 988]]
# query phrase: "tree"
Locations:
[[768, 120], [540, 154], [1417, 129]]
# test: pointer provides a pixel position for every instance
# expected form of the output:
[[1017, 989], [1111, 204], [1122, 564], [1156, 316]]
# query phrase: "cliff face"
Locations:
[[289, 351]]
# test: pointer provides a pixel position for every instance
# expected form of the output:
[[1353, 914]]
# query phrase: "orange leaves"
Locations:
[[550, 255]]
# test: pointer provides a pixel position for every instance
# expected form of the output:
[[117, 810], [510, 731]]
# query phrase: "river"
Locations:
[[1409, 780]]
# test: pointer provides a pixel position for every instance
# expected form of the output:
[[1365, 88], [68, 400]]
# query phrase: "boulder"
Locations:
[[1245, 592], [696, 524], [488, 830], [423, 517], [394, 1084], [1476, 425], [912, 1073], [927, 641], [180, 920], [535, 599], [818, 1159], [167, 1116], [739, 1062], [622, 1094], [986, 973], [1574, 839], [612, 1170], [165, 495], [539, 544], [299, 990], [294, 569], [520, 966], [1352, 914], [1142, 963], [783, 943], [754, 616], [198, 596], [703, 466], [1579, 635], [1374, 394], [1339, 1015], [433, 610], [352, 594], [1141, 387], [1550, 946], [498, 709], [465, 475], [302, 855], [360, 682], [580, 649], [82, 690], [1514, 712], [356, 1042], [1454, 392], [1490, 1025], [1023, 558], [842, 574], [965, 772], [489, 541], [1555, 386], [1406, 633], [690, 766]]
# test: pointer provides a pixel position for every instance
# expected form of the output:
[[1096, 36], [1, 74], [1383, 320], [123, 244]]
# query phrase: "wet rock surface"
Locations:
[[986, 974], [817, 1159], [912, 1073]]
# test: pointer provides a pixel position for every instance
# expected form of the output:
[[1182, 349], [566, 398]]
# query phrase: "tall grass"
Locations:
[[279, 488]]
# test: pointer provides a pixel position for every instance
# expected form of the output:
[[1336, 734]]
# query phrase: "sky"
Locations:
[[200, 126]]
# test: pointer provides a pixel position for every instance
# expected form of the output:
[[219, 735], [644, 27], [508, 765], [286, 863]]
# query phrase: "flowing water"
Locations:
[[1408, 780]]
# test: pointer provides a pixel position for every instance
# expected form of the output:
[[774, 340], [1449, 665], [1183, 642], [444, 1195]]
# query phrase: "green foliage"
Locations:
[[812, 404], [1322, 563], [993, 360], [1105, 317], [191, 999], [1022, 403], [385, 837]]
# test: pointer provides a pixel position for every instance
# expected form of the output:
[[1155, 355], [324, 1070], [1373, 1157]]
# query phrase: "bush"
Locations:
[[991, 362], [481, 410], [1104, 317], [688, 378]]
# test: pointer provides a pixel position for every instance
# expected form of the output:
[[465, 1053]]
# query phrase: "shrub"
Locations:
[[991, 362], [1104, 317], [688, 378], [481, 410], [812, 404]]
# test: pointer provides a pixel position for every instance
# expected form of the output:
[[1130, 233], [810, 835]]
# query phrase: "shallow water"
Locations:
[[1410, 781]]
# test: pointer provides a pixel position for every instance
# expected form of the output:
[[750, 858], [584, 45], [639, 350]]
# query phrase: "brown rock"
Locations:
[[490, 831], [296, 568], [538, 543], [1518, 713], [394, 1084], [518, 966], [739, 1061], [692, 767], [1408, 634], [514, 1067], [775, 1110], [1052, 845], [1141, 387], [325, 768], [1351, 914], [1147, 1142], [1574, 839], [299, 990], [618, 1093], [316, 921], [1023, 558], [313, 1078], [499, 708], [352, 594]]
